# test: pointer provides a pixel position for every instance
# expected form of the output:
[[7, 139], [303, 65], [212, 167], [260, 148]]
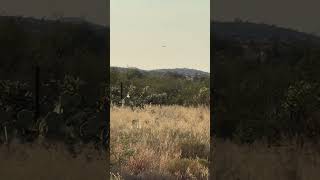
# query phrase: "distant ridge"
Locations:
[[60, 45], [183, 71], [257, 31], [180, 71], [37, 23]]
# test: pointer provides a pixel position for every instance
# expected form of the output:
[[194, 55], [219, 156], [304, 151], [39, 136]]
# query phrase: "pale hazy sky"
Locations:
[[139, 29]]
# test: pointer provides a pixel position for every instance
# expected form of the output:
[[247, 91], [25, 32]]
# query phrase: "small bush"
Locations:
[[194, 149], [188, 169]]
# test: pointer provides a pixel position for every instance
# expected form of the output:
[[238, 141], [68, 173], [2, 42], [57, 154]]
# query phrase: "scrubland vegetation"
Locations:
[[258, 161], [266, 107], [35, 161], [265, 97], [65, 110], [158, 87], [160, 142], [52, 80]]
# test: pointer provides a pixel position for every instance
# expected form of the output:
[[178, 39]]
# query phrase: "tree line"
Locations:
[[142, 87], [278, 98]]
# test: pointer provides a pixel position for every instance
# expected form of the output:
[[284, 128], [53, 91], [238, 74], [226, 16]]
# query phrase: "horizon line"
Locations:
[[59, 18], [128, 67], [316, 33]]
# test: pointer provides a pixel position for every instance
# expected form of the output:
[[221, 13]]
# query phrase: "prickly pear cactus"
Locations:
[[76, 118], [66, 110], [104, 136], [70, 102], [4, 116], [95, 128], [24, 119], [53, 125], [90, 127], [42, 127], [46, 106], [71, 84], [5, 127], [26, 126]]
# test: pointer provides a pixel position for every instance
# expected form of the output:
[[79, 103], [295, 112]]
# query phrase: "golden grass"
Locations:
[[33, 161], [260, 162], [169, 142]]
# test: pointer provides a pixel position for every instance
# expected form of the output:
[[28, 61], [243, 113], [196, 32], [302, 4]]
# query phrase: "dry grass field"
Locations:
[[168, 142], [260, 162], [33, 161]]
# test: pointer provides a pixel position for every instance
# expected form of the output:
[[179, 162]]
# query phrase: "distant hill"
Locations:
[[61, 46], [35, 24], [178, 86], [179, 71], [261, 75], [258, 32], [259, 43], [183, 71]]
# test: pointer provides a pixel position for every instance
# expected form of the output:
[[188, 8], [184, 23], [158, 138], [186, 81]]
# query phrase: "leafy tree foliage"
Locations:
[[72, 60], [279, 97], [142, 87]]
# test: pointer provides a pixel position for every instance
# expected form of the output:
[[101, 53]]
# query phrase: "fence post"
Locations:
[[121, 90], [36, 89], [121, 95], [6, 133]]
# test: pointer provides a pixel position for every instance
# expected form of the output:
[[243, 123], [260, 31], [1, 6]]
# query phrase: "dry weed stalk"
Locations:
[[170, 142]]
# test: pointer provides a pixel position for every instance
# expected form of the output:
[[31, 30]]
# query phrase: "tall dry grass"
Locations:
[[36, 162], [169, 142], [260, 162]]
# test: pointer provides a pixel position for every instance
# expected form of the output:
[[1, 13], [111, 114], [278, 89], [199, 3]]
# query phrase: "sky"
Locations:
[[139, 29], [295, 14]]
